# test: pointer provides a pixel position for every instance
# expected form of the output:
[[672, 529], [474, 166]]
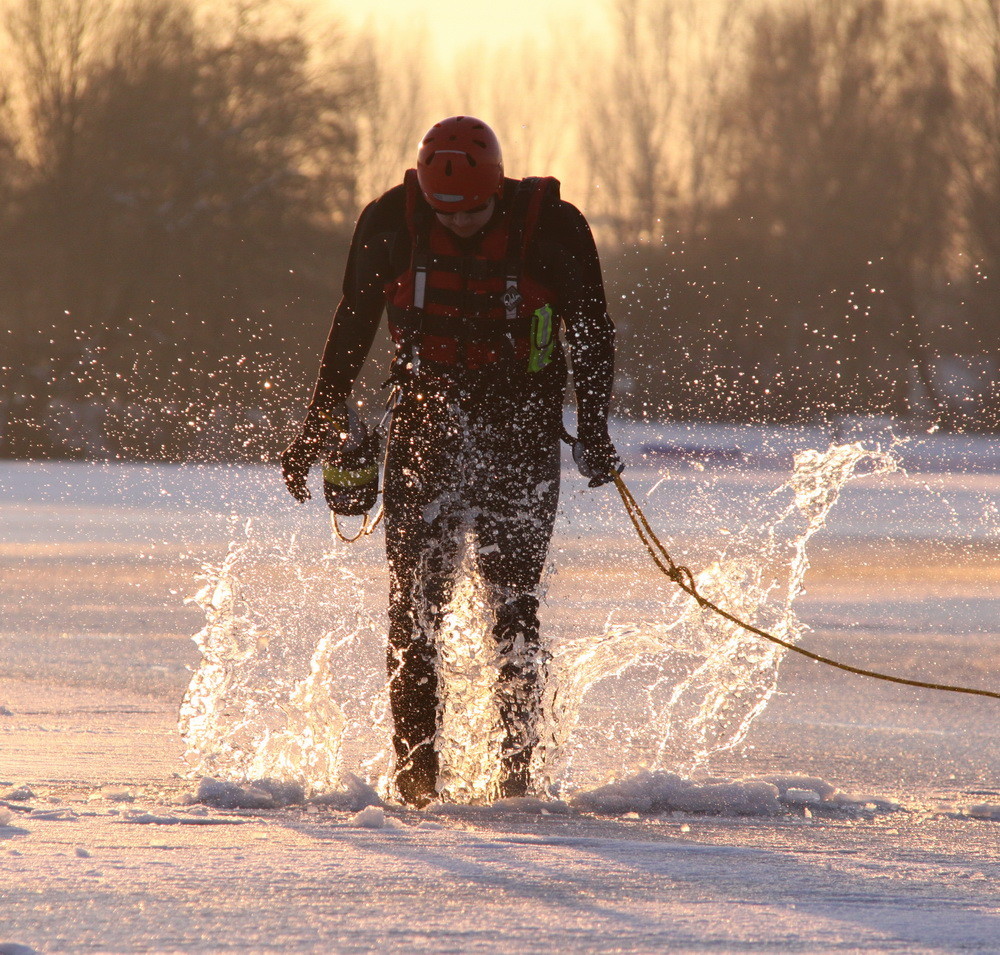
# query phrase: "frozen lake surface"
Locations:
[[103, 849]]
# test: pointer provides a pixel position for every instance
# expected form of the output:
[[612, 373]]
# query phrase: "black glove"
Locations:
[[296, 460], [596, 457]]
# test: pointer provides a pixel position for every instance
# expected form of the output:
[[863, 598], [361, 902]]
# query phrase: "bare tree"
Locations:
[[981, 127], [209, 163], [649, 121], [527, 95], [842, 197], [54, 42], [12, 165], [978, 48], [714, 36], [395, 111], [628, 119]]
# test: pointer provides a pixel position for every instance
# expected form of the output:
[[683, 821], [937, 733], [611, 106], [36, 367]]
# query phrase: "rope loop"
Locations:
[[367, 526]]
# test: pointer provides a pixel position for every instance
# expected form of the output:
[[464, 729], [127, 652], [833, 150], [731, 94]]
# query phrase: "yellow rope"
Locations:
[[684, 579]]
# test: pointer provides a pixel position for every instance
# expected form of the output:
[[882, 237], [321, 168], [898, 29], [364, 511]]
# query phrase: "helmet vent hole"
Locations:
[[472, 162], [479, 143], [447, 168]]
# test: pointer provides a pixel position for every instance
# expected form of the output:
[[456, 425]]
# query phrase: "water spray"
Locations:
[[683, 578]]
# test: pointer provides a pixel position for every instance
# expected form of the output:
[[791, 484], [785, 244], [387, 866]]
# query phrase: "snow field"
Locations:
[[853, 817]]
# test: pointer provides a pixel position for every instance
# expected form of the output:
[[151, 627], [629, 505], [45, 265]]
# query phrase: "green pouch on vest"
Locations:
[[543, 338]]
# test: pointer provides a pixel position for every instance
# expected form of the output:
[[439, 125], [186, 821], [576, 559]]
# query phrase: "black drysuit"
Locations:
[[472, 452]]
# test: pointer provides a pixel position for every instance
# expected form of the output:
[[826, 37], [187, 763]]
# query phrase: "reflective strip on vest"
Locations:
[[419, 287]]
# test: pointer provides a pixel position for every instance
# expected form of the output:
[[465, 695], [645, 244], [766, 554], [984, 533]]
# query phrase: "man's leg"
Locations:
[[517, 500], [420, 589], [421, 551]]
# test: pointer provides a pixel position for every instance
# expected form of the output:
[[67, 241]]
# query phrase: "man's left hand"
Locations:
[[597, 459]]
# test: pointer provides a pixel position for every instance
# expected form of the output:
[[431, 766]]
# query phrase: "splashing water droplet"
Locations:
[[292, 681], [671, 691]]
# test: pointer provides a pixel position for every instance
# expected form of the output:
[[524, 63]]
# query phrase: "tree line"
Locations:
[[798, 205], [823, 240]]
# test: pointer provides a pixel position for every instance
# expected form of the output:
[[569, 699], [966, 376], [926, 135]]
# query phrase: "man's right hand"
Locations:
[[305, 450], [296, 460]]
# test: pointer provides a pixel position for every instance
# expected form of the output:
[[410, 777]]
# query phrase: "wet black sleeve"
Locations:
[[369, 267], [569, 264]]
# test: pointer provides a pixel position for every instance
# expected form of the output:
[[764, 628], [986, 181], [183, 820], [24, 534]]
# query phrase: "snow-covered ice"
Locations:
[[852, 815]]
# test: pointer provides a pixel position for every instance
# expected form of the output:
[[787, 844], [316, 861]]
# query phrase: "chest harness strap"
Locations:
[[476, 326]]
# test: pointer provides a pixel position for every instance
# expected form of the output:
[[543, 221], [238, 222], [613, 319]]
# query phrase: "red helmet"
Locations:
[[459, 165]]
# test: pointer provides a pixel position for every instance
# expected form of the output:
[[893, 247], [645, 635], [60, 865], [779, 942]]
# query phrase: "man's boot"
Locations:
[[515, 778], [416, 777]]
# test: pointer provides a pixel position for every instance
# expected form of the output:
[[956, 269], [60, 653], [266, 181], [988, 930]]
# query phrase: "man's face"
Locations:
[[468, 222]]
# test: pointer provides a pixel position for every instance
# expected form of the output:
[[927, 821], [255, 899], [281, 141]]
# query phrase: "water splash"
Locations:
[[470, 734], [292, 681], [289, 686], [670, 693]]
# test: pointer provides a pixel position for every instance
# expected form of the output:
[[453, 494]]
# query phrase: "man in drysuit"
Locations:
[[476, 272]]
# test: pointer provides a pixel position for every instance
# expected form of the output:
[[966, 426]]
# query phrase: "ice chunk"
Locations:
[[667, 792], [113, 794], [431, 512], [372, 817], [849, 801], [785, 784], [19, 794], [255, 794], [532, 804], [800, 797], [52, 815], [151, 819], [355, 796]]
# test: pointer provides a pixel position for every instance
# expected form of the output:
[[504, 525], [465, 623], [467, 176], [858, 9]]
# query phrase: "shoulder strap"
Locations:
[[543, 188], [417, 210], [418, 221], [525, 207]]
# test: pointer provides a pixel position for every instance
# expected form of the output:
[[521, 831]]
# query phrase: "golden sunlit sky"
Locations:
[[454, 24]]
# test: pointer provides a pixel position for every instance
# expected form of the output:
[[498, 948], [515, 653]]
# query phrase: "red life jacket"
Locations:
[[471, 310]]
